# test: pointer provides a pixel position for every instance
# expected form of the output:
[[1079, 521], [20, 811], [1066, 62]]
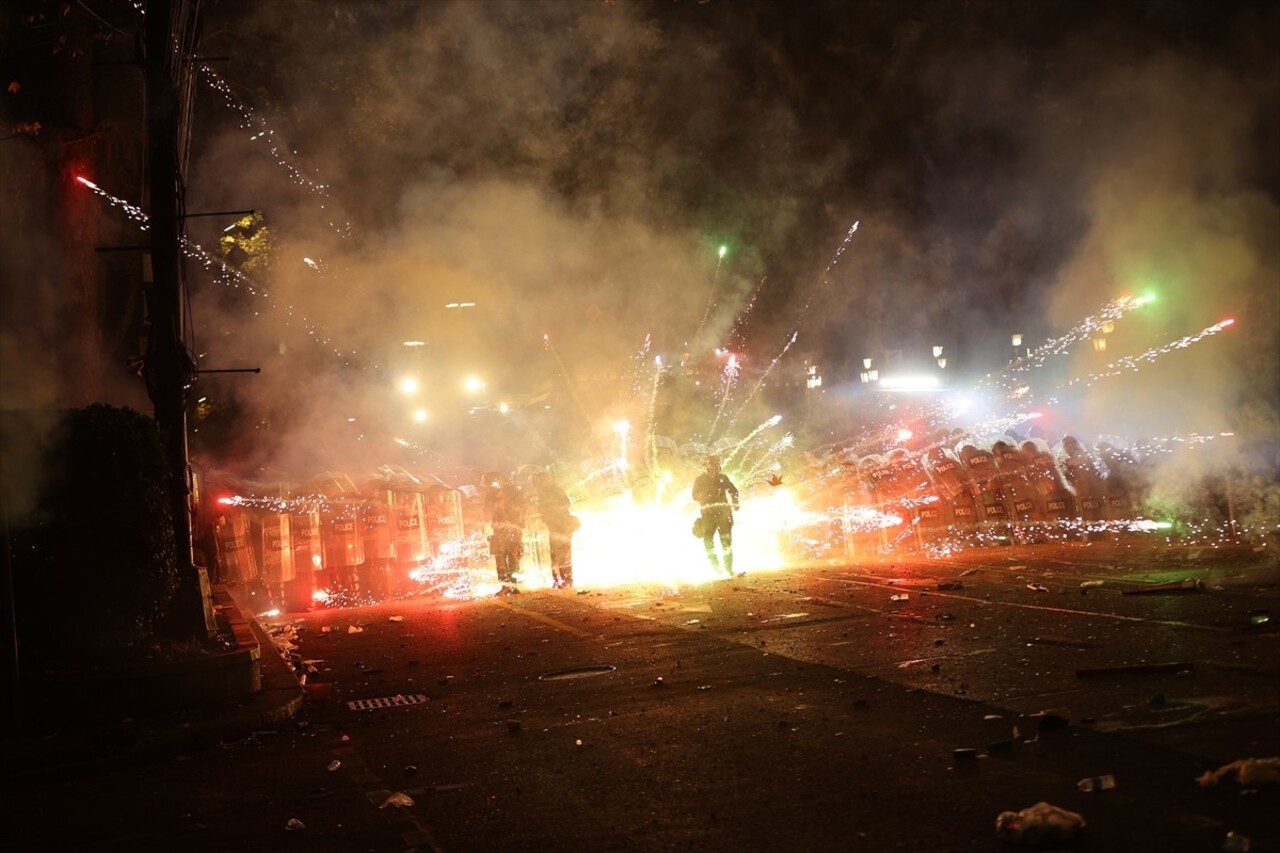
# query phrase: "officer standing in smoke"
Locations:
[[506, 506], [553, 506], [718, 497]]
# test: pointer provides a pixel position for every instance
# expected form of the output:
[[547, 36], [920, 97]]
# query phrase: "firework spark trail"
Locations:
[[250, 121], [755, 389], [1089, 326], [651, 421], [997, 425], [711, 299], [1134, 363], [564, 375], [768, 458], [298, 505], [743, 314], [1174, 443], [840, 250], [640, 366], [419, 451], [134, 212], [223, 274], [728, 379], [732, 451], [826, 274]]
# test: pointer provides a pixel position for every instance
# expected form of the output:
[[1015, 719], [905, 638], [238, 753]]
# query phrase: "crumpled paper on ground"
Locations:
[[1042, 823], [399, 800], [1248, 771]]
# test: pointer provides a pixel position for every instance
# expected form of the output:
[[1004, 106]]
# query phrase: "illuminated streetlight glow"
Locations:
[[409, 385], [909, 383], [503, 408], [420, 415], [473, 384]]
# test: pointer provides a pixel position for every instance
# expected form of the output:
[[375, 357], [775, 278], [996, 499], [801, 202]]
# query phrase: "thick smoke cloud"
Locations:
[[572, 167]]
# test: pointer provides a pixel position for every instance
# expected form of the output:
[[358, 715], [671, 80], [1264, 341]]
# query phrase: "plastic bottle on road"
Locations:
[[1236, 843], [1097, 783]]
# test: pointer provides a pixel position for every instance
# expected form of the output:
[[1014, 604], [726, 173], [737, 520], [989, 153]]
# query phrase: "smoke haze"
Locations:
[[572, 168]]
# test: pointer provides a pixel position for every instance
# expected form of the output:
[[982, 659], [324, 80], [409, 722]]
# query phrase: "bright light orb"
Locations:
[[409, 385]]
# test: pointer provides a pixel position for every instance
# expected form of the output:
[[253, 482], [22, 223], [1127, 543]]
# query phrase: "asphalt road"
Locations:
[[802, 710]]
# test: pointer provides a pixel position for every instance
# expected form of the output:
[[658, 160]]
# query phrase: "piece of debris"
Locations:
[[968, 572], [1248, 771], [396, 619], [1048, 722], [1236, 843], [513, 726], [354, 629], [899, 596], [334, 765], [943, 585], [964, 753], [1037, 587], [1088, 585], [294, 824], [410, 769], [1090, 784], [399, 800], [1134, 669], [1040, 824], [1188, 585]]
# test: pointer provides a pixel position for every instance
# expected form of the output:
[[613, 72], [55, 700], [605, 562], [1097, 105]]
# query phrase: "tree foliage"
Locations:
[[95, 572]]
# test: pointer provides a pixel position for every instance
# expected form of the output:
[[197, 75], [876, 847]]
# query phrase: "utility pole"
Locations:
[[169, 371]]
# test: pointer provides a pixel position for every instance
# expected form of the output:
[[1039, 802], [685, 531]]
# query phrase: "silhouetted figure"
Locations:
[[553, 506], [718, 497]]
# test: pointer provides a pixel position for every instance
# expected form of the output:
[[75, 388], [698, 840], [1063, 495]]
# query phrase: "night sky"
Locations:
[[573, 168]]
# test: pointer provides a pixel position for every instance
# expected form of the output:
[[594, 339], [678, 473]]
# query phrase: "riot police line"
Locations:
[[970, 492], [330, 537]]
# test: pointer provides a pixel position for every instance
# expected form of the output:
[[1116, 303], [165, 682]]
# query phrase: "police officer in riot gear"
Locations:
[[718, 497]]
